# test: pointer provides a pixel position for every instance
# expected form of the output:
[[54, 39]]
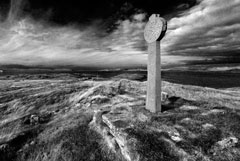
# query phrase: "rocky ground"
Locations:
[[72, 120]]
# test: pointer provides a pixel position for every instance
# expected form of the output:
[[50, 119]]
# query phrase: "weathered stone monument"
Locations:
[[153, 33]]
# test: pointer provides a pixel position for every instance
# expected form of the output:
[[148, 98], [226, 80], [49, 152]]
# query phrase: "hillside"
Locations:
[[72, 120]]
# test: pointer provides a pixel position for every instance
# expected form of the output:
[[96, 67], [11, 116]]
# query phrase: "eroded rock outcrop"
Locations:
[[52, 120], [120, 133]]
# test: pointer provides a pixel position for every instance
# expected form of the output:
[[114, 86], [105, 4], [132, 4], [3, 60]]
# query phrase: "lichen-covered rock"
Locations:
[[143, 117], [131, 87], [226, 143]]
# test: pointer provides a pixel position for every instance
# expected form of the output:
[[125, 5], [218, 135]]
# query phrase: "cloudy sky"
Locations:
[[109, 33]]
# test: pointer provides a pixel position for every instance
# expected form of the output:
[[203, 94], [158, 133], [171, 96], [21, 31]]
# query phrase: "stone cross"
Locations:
[[153, 33]]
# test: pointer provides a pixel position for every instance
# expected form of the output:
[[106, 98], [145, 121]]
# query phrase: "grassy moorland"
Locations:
[[74, 120]]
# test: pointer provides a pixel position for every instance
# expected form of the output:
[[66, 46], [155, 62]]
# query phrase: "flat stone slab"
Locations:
[[188, 108], [119, 118], [214, 111]]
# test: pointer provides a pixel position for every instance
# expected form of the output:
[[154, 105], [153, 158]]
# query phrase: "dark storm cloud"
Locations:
[[30, 42], [106, 33], [62, 11], [109, 33], [209, 29]]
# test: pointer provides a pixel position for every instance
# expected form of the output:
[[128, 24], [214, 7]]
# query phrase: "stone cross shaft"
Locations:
[[153, 33]]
